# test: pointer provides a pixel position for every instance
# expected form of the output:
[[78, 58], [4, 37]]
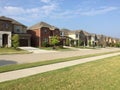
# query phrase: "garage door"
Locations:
[[23, 42]]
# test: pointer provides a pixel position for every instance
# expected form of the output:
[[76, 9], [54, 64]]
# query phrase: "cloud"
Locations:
[[93, 12], [84, 12], [12, 10], [46, 1], [25, 14]]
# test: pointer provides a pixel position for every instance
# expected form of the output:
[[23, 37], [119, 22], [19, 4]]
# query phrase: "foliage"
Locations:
[[89, 43], [54, 40], [79, 42], [117, 44], [67, 41], [15, 40], [45, 44]]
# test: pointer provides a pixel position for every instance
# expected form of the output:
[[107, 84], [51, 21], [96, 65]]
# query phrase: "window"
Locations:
[[18, 30], [45, 31], [45, 39], [61, 34], [76, 35], [5, 25]]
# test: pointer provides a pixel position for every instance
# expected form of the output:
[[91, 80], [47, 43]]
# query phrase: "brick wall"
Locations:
[[39, 36], [5, 25]]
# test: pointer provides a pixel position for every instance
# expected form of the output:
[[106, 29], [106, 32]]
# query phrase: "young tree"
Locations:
[[79, 42], [54, 40], [15, 41], [67, 41]]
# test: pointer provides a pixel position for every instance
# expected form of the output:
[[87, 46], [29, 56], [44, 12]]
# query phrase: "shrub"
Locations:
[[15, 41]]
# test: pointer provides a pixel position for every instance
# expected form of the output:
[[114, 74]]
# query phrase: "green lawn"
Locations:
[[57, 48], [4, 51], [29, 65], [97, 75]]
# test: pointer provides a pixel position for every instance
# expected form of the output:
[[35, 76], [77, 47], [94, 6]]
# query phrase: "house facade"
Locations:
[[41, 33], [9, 27], [80, 38]]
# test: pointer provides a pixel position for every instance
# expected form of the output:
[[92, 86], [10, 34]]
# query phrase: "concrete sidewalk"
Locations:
[[35, 70]]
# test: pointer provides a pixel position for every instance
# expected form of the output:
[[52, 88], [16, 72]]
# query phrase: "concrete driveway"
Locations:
[[36, 50]]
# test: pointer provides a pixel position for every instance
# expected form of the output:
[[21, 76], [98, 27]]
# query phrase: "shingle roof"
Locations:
[[42, 24], [66, 31], [85, 33], [12, 20]]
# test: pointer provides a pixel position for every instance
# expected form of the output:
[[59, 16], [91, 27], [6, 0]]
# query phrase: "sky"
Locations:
[[94, 16]]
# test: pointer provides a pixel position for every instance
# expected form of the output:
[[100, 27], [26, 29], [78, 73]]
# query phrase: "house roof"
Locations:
[[42, 24], [13, 21], [85, 33], [4, 18], [66, 31]]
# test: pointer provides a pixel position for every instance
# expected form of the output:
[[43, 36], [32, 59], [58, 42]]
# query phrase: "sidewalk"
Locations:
[[12, 75]]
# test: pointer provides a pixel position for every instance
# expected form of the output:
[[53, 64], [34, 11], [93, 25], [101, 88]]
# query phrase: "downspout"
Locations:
[[39, 38]]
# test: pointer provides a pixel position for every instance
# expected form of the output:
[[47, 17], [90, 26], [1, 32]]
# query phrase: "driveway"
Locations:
[[36, 50]]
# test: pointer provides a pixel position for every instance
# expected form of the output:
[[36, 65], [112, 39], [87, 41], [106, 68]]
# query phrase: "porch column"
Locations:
[[75, 42], [88, 42], [1, 40], [9, 40], [29, 42]]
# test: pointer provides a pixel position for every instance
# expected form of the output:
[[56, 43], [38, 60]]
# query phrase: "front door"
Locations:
[[5, 40]]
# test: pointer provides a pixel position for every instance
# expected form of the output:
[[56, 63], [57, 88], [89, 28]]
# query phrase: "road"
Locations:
[[28, 58]]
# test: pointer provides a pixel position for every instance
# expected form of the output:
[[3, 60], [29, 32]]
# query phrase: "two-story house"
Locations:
[[9, 27], [5, 32], [64, 34], [41, 33]]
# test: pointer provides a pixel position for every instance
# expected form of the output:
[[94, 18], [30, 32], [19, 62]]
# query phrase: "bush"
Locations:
[[15, 41], [45, 44], [118, 45]]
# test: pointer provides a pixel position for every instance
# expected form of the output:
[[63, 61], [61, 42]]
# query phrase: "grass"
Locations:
[[4, 51], [57, 48], [30, 65], [102, 74]]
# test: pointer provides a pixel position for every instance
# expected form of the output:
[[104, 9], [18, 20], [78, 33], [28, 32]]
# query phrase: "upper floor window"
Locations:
[[45, 31], [76, 35], [5, 25]]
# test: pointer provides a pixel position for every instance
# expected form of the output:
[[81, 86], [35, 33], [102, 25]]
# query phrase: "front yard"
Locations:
[[57, 48], [97, 75], [4, 51]]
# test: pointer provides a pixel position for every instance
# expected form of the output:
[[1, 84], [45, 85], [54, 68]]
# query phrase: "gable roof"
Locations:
[[13, 21], [42, 24], [66, 31], [85, 33], [4, 18]]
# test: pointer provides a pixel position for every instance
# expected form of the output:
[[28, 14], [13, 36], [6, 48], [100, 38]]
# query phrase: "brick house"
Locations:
[[41, 33], [9, 27]]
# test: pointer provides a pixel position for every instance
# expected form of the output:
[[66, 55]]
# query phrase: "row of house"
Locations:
[[35, 35], [42, 32], [83, 38]]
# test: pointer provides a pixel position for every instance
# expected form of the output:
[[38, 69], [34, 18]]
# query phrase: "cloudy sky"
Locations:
[[95, 16]]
